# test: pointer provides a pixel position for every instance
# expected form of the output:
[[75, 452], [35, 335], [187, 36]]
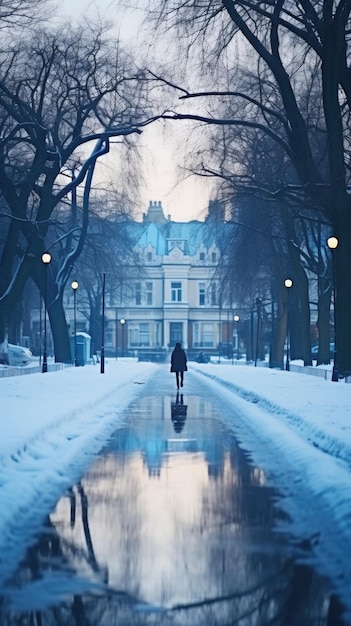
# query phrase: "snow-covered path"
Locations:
[[297, 427], [52, 426]]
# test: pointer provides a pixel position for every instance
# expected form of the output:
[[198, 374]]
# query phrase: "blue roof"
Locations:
[[152, 235], [192, 233]]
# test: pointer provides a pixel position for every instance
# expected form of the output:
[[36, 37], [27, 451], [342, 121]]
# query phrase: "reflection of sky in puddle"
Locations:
[[172, 517], [168, 515]]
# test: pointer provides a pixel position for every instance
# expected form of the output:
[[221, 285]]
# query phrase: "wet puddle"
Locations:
[[172, 525]]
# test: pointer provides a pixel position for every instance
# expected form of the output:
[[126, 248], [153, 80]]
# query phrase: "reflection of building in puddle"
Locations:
[[198, 546], [178, 413], [160, 407]]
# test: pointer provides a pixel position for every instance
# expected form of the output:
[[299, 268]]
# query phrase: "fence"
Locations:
[[21, 371]]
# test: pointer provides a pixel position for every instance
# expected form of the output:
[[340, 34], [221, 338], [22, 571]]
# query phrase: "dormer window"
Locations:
[[149, 257], [214, 257], [176, 243], [202, 256]]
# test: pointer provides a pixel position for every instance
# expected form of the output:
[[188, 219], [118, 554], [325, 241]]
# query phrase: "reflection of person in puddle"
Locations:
[[179, 364], [180, 400], [178, 412]]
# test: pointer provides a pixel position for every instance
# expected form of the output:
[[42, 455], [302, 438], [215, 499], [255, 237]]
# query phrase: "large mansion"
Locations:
[[178, 298]]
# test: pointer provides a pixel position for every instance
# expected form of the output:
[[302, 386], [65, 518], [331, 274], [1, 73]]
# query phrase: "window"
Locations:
[[133, 337], [176, 292], [149, 257], [207, 335], [144, 335], [137, 293], [175, 332], [214, 257], [179, 243], [202, 294], [149, 293], [213, 294], [157, 334], [203, 335], [196, 335], [202, 256]]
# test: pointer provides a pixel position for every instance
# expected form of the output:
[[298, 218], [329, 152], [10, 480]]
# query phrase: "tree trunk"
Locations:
[[304, 318], [58, 323], [95, 329], [280, 328], [339, 201], [323, 322], [341, 258], [56, 314]]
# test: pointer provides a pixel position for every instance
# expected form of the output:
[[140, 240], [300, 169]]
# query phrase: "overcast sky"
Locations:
[[160, 150]]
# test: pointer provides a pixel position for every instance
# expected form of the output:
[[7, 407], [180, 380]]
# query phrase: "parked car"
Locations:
[[202, 358], [17, 355], [225, 349]]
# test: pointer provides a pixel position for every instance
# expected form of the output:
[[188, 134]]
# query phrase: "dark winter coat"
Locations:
[[178, 359]]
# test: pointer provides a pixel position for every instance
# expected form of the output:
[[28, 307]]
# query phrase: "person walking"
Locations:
[[179, 364]]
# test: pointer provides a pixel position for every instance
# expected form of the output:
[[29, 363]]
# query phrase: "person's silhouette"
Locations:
[[178, 413], [179, 364]]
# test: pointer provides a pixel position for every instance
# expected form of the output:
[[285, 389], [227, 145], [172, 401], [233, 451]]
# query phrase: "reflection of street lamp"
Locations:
[[46, 259], [102, 362], [74, 286], [288, 284], [123, 323], [333, 243]]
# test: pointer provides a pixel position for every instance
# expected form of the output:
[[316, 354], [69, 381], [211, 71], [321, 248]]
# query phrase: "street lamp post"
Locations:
[[116, 328], [123, 323], [74, 286], [102, 360], [251, 335], [288, 284], [46, 259], [219, 333], [236, 319], [258, 310], [333, 243], [40, 327]]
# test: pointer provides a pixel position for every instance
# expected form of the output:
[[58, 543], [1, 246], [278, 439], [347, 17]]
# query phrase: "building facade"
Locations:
[[178, 298]]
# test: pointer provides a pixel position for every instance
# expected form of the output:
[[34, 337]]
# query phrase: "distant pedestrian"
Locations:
[[179, 364]]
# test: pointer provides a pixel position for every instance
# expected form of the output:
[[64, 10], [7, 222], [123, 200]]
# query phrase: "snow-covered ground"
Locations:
[[297, 427]]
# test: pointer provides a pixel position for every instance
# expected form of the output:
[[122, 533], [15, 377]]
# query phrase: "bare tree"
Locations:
[[292, 45], [109, 250], [63, 96], [268, 242], [22, 13]]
